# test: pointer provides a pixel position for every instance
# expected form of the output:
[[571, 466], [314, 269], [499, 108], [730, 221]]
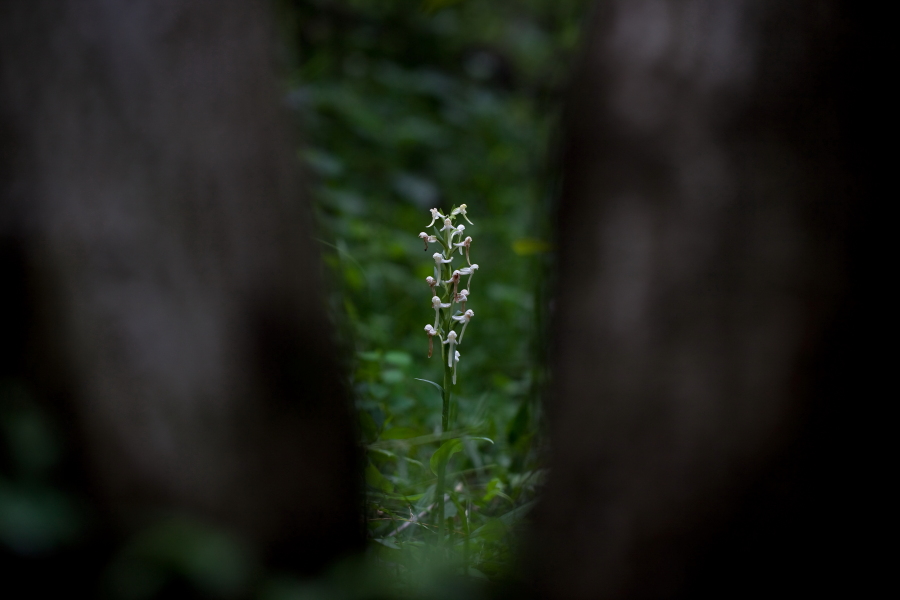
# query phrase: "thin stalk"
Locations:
[[442, 468], [448, 380]]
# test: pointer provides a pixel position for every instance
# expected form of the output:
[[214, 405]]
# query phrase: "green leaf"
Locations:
[[494, 488], [389, 542], [443, 454], [492, 531], [399, 433], [495, 529], [448, 449], [516, 514], [440, 389], [378, 481]]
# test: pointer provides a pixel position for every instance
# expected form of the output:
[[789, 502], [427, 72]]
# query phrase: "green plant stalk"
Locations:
[[445, 427], [445, 398]]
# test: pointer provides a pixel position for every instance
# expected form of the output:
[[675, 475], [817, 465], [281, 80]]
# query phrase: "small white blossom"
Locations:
[[455, 360], [438, 261], [454, 279], [465, 245], [461, 211], [470, 270], [451, 340], [435, 215], [448, 224], [428, 239], [458, 231], [437, 305], [464, 319], [430, 332], [461, 298], [431, 281]]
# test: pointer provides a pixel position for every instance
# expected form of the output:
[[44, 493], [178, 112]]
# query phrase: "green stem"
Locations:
[[448, 380], [445, 427]]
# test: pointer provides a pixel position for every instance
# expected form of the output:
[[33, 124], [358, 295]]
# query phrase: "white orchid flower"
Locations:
[[455, 360], [470, 270], [465, 245], [451, 340], [427, 239], [437, 305], [461, 298], [458, 231], [464, 319], [431, 281], [461, 211], [430, 332], [438, 261], [454, 279], [435, 215]]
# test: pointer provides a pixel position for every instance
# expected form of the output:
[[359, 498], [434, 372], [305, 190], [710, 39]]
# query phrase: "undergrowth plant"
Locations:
[[448, 299], [462, 518]]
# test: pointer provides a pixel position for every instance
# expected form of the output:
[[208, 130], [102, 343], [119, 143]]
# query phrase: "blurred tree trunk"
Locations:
[[709, 321], [168, 286]]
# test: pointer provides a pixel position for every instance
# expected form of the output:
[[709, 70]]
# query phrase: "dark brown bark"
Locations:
[[714, 184], [168, 287]]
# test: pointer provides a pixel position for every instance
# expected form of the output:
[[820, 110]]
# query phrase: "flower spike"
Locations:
[[450, 237]]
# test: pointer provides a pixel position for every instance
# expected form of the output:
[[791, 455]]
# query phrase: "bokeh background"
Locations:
[[399, 106], [405, 106]]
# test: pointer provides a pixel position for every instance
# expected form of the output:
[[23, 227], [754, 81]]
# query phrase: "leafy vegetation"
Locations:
[[408, 106]]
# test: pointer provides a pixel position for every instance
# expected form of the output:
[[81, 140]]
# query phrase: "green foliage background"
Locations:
[[408, 105]]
